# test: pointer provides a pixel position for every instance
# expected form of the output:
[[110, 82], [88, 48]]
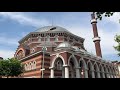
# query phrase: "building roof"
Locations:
[[51, 28]]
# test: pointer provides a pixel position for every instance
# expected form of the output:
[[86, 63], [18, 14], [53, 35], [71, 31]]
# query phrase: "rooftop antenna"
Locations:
[[52, 22]]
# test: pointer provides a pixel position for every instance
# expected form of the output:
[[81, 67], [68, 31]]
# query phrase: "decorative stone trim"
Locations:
[[93, 21], [96, 39]]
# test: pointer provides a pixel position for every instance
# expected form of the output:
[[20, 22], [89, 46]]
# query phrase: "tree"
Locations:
[[117, 39], [10, 67], [16, 68], [100, 14], [4, 68]]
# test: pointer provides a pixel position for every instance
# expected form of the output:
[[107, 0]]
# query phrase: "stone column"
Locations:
[[77, 72], [93, 74], [63, 72], [98, 74], [66, 71], [103, 74], [86, 73], [51, 72]]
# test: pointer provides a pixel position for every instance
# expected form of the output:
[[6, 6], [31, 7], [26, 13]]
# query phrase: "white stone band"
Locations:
[[96, 39], [65, 65], [51, 67], [42, 69], [93, 21]]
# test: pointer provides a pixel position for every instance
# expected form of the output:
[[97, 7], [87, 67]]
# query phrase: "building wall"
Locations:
[[33, 72]]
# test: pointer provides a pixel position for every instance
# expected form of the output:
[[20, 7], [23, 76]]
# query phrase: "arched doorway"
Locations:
[[72, 72], [101, 72], [108, 69], [96, 71], [82, 66], [73, 67], [58, 68], [90, 70], [105, 72]]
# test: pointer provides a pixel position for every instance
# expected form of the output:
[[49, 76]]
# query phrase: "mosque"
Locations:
[[54, 52]]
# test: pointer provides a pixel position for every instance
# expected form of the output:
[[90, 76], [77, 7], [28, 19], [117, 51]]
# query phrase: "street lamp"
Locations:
[[44, 49]]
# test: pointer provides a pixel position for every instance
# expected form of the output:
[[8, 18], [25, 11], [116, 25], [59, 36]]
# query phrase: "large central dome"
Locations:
[[51, 28]]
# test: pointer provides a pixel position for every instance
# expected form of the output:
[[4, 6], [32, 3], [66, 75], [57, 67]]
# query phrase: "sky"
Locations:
[[15, 25]]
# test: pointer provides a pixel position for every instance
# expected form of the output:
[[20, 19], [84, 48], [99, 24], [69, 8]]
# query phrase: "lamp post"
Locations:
[[44, 49]]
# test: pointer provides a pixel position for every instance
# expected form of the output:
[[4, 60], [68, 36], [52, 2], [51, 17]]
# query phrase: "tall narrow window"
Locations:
[[33, 50], [39, 39], [47, 38], [59, 65], [56, 38]]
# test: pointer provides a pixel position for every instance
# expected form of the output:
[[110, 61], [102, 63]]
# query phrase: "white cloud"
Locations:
[[9, 41], [115, 18], [24, 19], [6, 53]]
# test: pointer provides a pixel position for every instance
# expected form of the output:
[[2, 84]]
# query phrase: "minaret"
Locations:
[[96, 38]]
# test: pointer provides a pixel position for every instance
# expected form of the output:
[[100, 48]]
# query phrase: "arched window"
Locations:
[[56, 38], [72, 71], [89, 70], [39, 39], [33, 50], [101, 71], [105, 71], [96, 70], [26, 67], [47, 38], [58, 70], [59, 65], [82, 69], [30, 65], [34, 65]]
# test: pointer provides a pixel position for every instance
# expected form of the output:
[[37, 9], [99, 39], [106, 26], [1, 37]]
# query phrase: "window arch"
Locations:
[[90, 70], [59, 64], [39, 39], [26, 67], [96, 70], [33, 50], [30, 65], [56, 38], [82, 68], [101, 71], [34, 64], [105, 72], [58, 68], [48, 38], [72, 72]]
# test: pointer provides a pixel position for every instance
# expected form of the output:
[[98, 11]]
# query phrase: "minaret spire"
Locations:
[[96, 38]]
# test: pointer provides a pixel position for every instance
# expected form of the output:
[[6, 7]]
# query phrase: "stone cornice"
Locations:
[[32, 55], [69, 33]]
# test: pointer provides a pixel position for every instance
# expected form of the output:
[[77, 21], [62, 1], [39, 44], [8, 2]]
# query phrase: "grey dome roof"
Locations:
[[64, 45], [51, 28]]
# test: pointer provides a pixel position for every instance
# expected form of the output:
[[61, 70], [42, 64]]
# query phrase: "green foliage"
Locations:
[[106, 14], [117, 39], [4, 68], [10, 67]]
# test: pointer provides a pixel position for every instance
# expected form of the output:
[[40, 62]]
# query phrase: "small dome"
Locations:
[[64, 45], [76, 48]]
